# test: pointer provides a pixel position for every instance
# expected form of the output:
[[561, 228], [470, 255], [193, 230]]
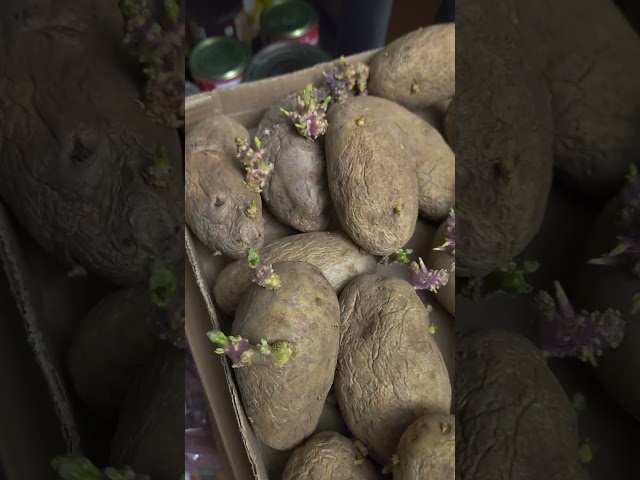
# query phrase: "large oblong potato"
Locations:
[[390, 371], [599, 287], [216, 197], [427, 449], [589, 54], [503, 384], [329, 455], [284, 404], [504, 149], [296, 192], [370, 177], [335, 254], [417, 69], [437, 260]]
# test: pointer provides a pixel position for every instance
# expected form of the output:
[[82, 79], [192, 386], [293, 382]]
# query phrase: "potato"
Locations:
[[329, 455], [76, 168], [217, 198], [427, 449], [373, 188], [589, 55], [504, 151], [450, 124], [390, 371], [335, 254], [599, 287], [417, 69], [513, 419], [150, 432], [284, 404], [437, 260], [110, 345], [296, 192]]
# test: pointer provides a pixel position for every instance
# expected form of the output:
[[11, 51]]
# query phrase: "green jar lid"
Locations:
[[219, 58], [290, 19]]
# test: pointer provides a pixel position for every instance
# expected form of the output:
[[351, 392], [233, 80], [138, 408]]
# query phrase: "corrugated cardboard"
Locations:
[[246, 104]]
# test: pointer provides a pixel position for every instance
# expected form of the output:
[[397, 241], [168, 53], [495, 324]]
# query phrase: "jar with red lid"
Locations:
[[289, 21]]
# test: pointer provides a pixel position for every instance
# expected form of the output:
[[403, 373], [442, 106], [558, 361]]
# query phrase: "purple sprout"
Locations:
[[242, 353], [167, 296], [262, 273], [256, 167], [423, 278], [584, 335], [158, 44], [309, 113], [346, 79]]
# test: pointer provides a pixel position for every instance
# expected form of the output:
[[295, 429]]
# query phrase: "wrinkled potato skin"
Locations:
[[427, 449], [73, 163], [600, 288], [328, 455], [503, 384], [368, 176], [424, 57], [589, 54], [450, 124], [111, 343], [296, 192], [437, 260], [285, 404], [498, 216], [216, 196], [390, 370], [335, 254]]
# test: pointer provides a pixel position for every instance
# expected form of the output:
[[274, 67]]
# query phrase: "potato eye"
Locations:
[[80, 152], [220, 201]]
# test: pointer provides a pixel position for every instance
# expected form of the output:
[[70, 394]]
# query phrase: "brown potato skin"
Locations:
[[425, 57], [600, 288], [450, 124], [335, 254], [427, 449], [498, 216], [504, 384], [328, 455], [285, 404], [368, 176], [390, 370], [437, 260], [297, 192], [588, 51], [110, 345], [216, 197]]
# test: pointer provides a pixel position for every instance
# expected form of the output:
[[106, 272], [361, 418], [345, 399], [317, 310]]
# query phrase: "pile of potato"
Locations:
[[332, 304]]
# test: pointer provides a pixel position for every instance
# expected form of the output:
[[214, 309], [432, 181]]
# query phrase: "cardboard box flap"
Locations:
[[14, 265]]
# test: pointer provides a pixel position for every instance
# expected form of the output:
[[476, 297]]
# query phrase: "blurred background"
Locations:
[[232, 41], [235, 41]]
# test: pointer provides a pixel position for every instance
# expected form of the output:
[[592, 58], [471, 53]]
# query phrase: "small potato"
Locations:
[[335, 254], [374, 189], [417, 69], [329, 455], [296, 192], [427, 449], [437, 260], [216, 197], [284, 404], [600, 288], [504, 158], [390, 370], [110, 345], [450, 124], [513, 418]]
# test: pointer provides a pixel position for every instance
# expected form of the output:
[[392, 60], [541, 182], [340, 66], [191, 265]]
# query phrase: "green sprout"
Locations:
[[262, 273], [401, 256], [242, 353], [252, 209], [163, 284], [161, 167]]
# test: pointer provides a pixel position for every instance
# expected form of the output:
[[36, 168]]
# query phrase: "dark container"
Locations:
[[281, 58]]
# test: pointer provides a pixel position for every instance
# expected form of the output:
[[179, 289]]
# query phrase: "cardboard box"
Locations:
[[248, 458]]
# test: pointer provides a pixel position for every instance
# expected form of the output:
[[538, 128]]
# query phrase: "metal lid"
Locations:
[[219, 58], [281, 58], [289, 19]]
